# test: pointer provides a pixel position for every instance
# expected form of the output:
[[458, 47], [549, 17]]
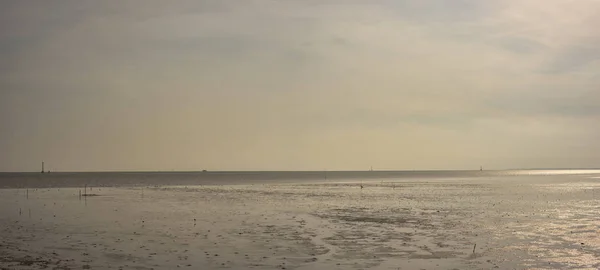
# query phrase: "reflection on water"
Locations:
[[552, 172], [121, 179], [485, 222]]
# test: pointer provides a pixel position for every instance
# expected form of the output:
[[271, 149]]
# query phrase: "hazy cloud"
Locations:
[[102, 85]]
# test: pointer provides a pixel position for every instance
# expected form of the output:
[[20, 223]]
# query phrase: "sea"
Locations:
[[509, 219], [121, 179]]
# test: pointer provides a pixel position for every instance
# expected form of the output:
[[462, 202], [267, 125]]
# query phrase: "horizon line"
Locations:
[[307, 171]]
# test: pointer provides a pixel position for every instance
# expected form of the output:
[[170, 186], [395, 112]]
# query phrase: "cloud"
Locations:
[[177, 84]]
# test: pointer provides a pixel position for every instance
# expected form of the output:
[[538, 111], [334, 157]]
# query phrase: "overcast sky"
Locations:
[[299, 85]]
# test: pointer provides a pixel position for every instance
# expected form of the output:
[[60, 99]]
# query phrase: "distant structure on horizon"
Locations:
[[481, 168], [42, 167]]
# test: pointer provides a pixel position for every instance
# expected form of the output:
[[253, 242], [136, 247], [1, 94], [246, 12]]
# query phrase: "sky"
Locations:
[[299, 85]]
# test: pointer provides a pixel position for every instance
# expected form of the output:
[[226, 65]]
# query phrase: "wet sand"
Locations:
[[534, 222]]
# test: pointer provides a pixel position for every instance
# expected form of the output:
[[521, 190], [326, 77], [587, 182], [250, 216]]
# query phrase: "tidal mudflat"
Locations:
[[516, 222]]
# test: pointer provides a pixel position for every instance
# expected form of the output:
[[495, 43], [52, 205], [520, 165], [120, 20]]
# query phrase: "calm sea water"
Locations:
[[117, 179], [528, 219]]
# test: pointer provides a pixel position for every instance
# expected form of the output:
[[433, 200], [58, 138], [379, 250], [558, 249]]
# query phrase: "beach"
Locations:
[[440, 222]]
